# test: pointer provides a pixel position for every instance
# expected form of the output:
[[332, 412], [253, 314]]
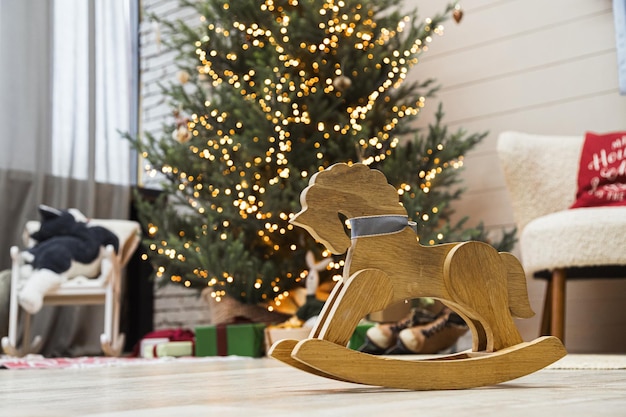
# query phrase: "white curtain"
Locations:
[[91, 90], [619, 13], [65, 96]]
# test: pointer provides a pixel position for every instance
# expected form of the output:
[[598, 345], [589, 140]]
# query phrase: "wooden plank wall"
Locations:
[[174, 306], [530, 65], [546, 67]]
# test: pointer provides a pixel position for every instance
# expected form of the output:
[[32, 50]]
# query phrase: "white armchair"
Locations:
[[104, 289], [558, 243]]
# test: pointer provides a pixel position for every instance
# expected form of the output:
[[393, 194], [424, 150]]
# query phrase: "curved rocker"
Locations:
[[112, 347], [385, 264], [11, 348], [9, 342], [465, 370]]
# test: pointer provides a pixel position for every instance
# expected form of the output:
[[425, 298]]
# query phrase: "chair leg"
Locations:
[[557, 324], [546, 318]]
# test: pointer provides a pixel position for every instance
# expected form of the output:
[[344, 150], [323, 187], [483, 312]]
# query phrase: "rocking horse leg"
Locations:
[[519, 304], [370, 290], [281, 350], [478, 332], [330, 302], [365, 291], [476, 278]]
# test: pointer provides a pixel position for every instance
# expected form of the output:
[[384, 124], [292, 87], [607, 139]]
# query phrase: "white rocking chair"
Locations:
[[105, 289]]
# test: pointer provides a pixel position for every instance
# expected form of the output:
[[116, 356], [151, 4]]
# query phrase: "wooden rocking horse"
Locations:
[[385, 264]]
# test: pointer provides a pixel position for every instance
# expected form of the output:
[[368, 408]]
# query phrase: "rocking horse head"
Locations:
[[344, 190]]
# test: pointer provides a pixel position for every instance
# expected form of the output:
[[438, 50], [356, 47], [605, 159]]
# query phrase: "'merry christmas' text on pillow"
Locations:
[[602, 171]]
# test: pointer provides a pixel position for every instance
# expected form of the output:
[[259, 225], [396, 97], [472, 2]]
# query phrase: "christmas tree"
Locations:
[[271, 92]]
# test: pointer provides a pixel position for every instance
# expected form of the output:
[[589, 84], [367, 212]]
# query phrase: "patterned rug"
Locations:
[[572, 361], [39, 362]]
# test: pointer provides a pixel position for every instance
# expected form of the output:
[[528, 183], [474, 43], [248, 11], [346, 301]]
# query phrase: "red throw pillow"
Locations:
[[602, 171]]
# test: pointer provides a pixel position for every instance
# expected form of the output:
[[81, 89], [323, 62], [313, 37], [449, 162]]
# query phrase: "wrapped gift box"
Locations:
[[231, 339], [146, 346], [147, 343], [358, 337], [273, 334], [166, 348]]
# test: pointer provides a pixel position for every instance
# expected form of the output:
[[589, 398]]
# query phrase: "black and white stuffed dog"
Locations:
[[65, 246]]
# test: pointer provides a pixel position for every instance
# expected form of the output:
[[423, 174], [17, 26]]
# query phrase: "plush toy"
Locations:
[[313, 305], [64, 247]]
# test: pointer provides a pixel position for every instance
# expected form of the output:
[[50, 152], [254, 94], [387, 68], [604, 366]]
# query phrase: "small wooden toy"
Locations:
[[384, 265]]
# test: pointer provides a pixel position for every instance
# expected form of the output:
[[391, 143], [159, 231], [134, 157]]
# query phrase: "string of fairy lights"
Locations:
[[279, 97]]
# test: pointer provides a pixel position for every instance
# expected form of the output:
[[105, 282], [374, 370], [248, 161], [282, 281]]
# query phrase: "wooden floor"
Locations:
[[264, 387]]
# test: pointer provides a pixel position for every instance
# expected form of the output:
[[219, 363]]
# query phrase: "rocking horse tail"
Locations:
[[519, 305]]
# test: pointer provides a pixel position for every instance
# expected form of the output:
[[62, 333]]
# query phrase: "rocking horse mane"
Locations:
[[347, 190]]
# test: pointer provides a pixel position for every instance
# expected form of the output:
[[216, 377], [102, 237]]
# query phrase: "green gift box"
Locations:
[[358, 337], [231, 339]]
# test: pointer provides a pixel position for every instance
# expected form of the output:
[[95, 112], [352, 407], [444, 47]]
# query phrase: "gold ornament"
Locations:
[[181, 133], [342, 83], [183, 77], [457, 14]]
